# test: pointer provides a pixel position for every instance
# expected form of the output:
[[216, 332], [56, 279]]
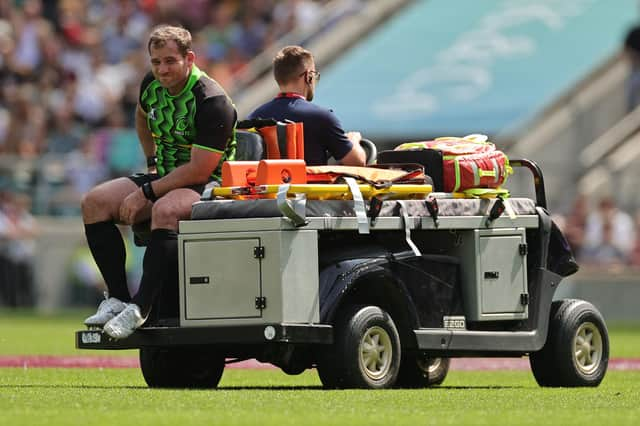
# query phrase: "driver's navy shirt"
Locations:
[[323, 134]]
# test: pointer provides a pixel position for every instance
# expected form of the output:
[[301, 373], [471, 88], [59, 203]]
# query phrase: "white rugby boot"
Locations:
[[125, 323], [108, 309]]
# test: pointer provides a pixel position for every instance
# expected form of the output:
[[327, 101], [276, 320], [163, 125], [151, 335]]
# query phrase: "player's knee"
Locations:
[[92, 201], [164, 214]]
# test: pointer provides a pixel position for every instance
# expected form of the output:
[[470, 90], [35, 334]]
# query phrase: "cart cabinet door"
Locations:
[[222, 278], [494, 274], [502, 274]]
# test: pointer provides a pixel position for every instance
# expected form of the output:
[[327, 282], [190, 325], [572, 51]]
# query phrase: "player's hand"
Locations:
[[132, 205], [354, 137]]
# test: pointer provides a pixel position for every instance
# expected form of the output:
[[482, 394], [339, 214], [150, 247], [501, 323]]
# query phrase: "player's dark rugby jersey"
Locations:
[[201, 115]]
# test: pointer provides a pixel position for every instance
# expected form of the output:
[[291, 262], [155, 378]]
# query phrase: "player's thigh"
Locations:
[[103, 201], [172, 207]]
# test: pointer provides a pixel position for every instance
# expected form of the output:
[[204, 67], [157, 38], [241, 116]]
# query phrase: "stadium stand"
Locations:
[[69, 71]]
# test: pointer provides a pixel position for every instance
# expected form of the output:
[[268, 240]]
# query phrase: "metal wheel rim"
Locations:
[[587, 348], [429, 365], [376, 353]]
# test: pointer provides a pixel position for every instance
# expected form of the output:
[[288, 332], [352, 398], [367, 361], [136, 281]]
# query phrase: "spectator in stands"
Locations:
[[32, 30], [575, 224], [124, 32], [607, 253], [27, 121], [290, 14], [66, 133], [632, 51], [81, 171], [6, 265], [635, 253], [295, 72], [609, 234], [19, 230], [189, 154]]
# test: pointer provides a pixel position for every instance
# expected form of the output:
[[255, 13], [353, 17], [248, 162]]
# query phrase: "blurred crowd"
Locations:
[[70, 72], [602, 235], [69, 80]]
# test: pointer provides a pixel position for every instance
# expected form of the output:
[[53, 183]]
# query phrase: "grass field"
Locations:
[[49, 396], [24, 333]]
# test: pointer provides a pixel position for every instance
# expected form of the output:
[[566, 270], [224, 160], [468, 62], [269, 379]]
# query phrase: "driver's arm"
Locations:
[[357, 156]]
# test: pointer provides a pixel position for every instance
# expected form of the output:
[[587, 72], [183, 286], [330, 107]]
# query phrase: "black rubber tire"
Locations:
[[541, 362], [576, 353], [349, 364], [419, 371], [182, 367]]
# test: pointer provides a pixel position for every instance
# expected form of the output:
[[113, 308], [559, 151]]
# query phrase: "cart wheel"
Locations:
[[181, 367], [365, 353], [419, 371], [577, 349]]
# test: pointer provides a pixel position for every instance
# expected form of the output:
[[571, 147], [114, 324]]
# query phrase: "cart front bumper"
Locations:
[[181, 336]]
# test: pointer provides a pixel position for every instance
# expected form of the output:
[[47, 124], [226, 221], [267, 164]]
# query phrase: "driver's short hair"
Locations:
[[290, 62], [162, 34]]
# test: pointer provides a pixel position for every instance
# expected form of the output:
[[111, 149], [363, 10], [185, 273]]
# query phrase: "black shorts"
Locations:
[[142, 178]]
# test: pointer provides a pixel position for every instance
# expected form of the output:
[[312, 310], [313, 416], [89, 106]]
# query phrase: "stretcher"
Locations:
[[325, 191]]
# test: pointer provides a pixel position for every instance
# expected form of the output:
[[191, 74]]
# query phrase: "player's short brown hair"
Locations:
[[161, 34]]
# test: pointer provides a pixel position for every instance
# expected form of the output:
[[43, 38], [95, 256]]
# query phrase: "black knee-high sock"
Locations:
[[159, 267], [107, 247]]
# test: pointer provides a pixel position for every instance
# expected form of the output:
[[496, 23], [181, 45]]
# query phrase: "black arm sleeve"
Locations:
[[215, 120]]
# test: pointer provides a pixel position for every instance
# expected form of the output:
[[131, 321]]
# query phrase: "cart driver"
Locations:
[[185, 123], [295, 72]]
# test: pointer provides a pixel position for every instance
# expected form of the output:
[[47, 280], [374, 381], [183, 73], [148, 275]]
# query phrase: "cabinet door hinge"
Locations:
[[261, 302], [258, 252], [524, 249]]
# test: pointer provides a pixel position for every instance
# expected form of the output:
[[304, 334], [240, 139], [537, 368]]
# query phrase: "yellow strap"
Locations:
[[484, 173], [486, 192]]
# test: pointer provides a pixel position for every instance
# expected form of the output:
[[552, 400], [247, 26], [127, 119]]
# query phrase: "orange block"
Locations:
[[270, 136], [300, 140], [292, 145], [276, 172], [239, 173]]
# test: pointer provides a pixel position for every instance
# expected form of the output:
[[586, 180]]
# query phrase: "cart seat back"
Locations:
[[249, 146]]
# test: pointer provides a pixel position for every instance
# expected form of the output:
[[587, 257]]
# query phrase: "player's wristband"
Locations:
[[147, 190], [151, 161]]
